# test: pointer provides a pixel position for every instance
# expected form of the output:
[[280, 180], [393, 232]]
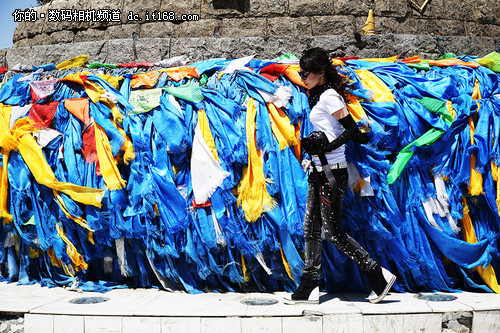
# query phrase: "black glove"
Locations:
[[351, 133]]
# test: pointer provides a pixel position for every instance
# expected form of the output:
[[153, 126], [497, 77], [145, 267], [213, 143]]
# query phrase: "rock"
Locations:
[[223, 8], [394, 8], [345, 7], [152, 49], [202, 28], [259, 8], [333, 25], [243, 27], [311, 7], [289, 26], [119, 51]]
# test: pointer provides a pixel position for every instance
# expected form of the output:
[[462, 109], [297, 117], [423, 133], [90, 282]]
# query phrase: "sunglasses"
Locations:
[[303, 74]]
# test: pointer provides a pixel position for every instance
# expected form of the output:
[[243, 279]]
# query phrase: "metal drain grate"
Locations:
[[259, 301], [89, 300], [436, 297]]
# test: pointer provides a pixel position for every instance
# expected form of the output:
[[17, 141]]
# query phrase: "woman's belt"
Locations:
[[333, 166]]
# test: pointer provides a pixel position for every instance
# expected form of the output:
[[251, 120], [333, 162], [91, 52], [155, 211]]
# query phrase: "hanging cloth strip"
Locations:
[[206, 172], [108, 166], [33, 156], [252, 193], [487, 273], [281, 127]]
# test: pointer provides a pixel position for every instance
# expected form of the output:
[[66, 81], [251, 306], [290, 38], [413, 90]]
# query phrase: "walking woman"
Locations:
[[333, 126]]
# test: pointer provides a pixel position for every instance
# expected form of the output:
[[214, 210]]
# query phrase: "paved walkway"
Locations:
[[56, 310]]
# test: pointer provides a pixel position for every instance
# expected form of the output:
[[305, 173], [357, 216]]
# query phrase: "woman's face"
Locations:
[[312, 80]]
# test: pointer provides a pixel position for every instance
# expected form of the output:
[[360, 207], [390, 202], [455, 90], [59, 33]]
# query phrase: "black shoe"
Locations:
[[307, 292], [381, 281]]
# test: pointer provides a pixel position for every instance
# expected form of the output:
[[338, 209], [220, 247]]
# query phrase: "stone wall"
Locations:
[[233, 28]]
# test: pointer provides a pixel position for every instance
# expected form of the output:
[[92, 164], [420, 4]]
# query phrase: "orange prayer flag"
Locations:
[[79, 107]]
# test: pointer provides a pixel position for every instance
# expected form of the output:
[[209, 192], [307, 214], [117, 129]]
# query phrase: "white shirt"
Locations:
[[322, 119]]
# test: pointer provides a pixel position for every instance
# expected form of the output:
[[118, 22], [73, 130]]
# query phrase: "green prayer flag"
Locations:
[[420, 66], [144, 100], [190, 92], [100, 65], [287, 56], [448, 55]]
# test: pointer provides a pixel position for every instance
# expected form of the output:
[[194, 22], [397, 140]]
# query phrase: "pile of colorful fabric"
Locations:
[[148, 175]]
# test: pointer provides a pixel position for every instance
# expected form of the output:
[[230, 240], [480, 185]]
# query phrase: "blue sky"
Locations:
[[7, 24]]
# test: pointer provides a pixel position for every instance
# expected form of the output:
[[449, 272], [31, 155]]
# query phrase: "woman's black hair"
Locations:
[[317, 60]]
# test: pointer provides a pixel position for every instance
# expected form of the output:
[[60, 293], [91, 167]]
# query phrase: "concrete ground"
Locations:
[[58, 310]]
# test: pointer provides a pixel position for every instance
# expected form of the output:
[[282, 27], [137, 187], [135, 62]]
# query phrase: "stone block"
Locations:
[[3, 57], [185, 325], [486, 321], [311, 8], [59, 53], [119, 51], [31, 55], [69, 324], [243, 27], [259, 8], [42, 39], [220, 325], [202, 28], [385, 324], [257, 325], [343, 323], [101, 324], [289, 26], [141, 324], [302, 324], [159, 30], [38, 323], [392, 25], [22, 43], [394, 8], [224, 8], [346, 7], [417, 26], [58, 37], [139, 7], [123, 31], [333, 25], [444, 9], [152, 49], [428, 323], [192, 7], [337, 45], [88, 35], [471, 45], [412, 45], [225, 47], [482, 30], [446, 27], [482, 12]]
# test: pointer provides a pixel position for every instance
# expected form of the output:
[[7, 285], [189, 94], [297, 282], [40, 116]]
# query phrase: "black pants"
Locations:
[[322, 213]]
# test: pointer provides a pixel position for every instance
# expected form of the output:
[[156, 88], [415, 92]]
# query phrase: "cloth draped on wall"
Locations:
[[190, 177]]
